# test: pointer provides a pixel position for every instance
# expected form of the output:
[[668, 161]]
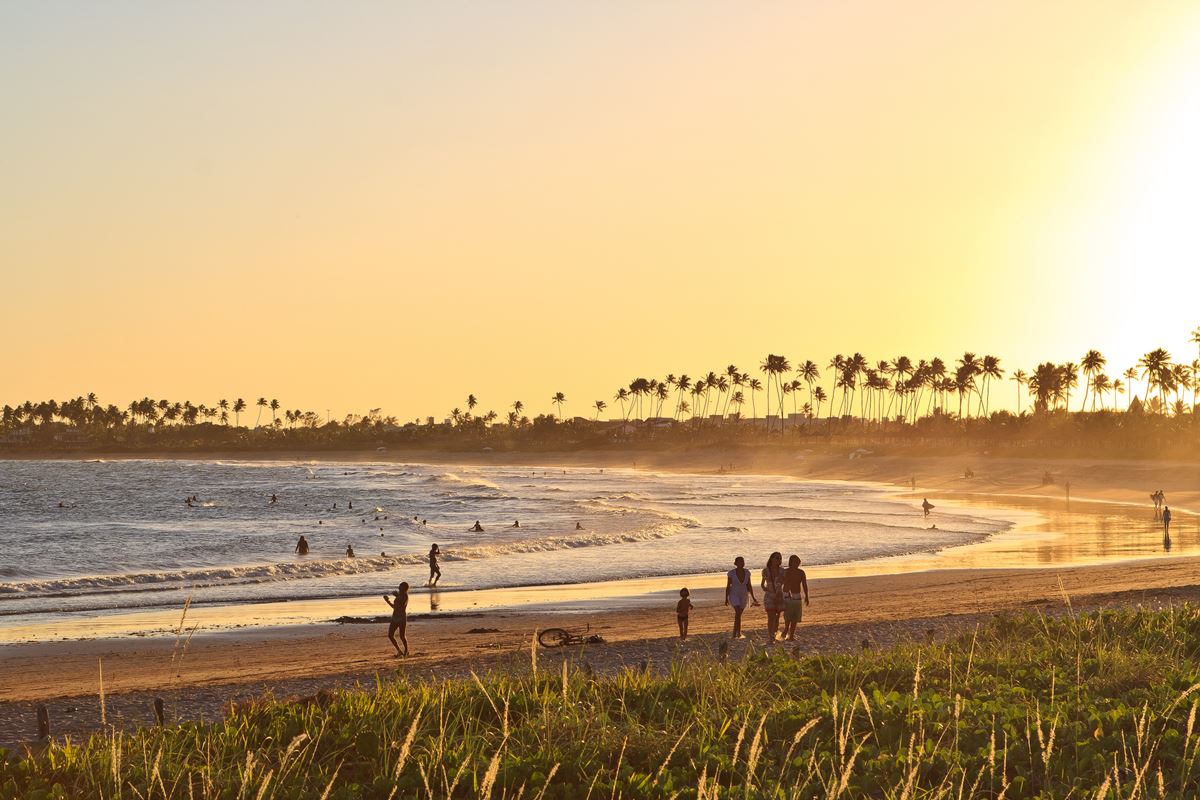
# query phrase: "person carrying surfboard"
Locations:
[[926, 506]]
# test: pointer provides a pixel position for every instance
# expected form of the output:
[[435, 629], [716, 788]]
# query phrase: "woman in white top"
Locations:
[[737, 590]]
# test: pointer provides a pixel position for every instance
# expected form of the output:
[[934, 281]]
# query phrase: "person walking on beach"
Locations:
[[434, 572], [926, 506], [302, 546], [737, 591], [682, 609], [1166, 520], [399, 621], [772, 586], [795, 597]]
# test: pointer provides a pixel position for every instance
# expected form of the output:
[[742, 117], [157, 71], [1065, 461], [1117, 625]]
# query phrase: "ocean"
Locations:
[[124, 536]]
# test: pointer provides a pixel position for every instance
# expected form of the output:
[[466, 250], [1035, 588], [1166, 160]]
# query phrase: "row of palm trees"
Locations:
[[86, 410]]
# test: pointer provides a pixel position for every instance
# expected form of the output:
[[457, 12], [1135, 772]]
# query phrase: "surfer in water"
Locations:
[[516, 523], [927, 506], [476, 528], [349, 551], [578, 526], [302, 546], [434, 572]]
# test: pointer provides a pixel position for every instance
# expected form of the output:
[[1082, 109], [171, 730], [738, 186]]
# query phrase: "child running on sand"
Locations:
[[399, 617], [682, 609]]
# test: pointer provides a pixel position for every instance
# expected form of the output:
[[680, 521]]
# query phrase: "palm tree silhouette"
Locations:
[[239, 406], [558, 400], [755, 386], [1130, 375], [1156, 369], [600, 406], [1091, 364], [261, 403], [1020, 378], [274, 412]]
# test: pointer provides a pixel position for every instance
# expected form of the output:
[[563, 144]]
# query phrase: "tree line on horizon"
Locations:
[[898, 390]]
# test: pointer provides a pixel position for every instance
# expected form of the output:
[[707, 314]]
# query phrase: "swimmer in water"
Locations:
[[349, 551], [578, 526], [274, 499], [302, 546], [516, 522], [476, 528]]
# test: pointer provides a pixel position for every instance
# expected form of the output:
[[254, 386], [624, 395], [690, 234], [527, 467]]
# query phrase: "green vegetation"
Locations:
[[1101, 705]]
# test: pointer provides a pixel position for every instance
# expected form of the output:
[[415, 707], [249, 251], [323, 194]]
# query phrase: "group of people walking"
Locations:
[[785, 594]]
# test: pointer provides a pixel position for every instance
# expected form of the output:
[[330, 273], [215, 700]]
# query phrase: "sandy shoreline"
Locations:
[[1109, 520]]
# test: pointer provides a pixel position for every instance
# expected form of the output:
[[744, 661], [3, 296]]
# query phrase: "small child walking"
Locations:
[[682, 608], [399, 617]]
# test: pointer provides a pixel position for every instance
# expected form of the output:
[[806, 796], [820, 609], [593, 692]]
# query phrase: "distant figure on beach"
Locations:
[[302, 546], [1160, 500], [274, 499], [426, 522], [434, 572], [188, 502], [1166, 520], [351, 504], [737, 591], [349, 551], [682, 609], [795, 597], [914, 483], [60, 504], [578, 526], [516, 523], [927, 506], [399, 617], [476, 528], [772, 586]]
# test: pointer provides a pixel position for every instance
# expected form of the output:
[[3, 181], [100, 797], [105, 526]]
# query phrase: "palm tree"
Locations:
[[1020, 377], [1130, 375], [1091, 364], [819, 396], [990, 370], [1156, 368], [1070, 379], [261, 403], [600, 406], [1046, 385], [471, 403], [1118, 387], [558, 400], [224, 406], [239, 406], [274, 412], [518, 407], [1100, 384], [622, 396], [755, 387]]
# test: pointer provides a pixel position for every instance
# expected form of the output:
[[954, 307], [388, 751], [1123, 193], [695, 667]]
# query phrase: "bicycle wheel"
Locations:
[[553, 637]]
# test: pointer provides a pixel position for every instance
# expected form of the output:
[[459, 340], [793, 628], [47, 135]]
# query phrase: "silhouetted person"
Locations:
[[399, 620], [349, 551], [737, 591], [302, 546], [516, 523], [274, 499], [682, 609], [795, 585], [434, 572], [578, 526], [476, 528], [927, 506], [1166, 520]]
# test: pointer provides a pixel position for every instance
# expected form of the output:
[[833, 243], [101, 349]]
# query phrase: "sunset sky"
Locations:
[[357, 205]]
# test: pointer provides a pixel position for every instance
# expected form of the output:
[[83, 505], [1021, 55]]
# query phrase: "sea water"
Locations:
[[124, 536]]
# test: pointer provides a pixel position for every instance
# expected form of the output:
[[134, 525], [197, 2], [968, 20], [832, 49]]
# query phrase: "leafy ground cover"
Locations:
[[1092, 705]]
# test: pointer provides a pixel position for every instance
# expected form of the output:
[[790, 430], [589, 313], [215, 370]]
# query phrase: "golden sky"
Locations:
[[391, 205]]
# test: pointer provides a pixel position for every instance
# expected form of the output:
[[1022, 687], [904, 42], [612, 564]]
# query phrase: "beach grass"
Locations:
[[1092, 705]]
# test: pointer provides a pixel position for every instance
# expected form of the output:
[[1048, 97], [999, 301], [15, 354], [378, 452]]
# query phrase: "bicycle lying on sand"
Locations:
[[561, 637]]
